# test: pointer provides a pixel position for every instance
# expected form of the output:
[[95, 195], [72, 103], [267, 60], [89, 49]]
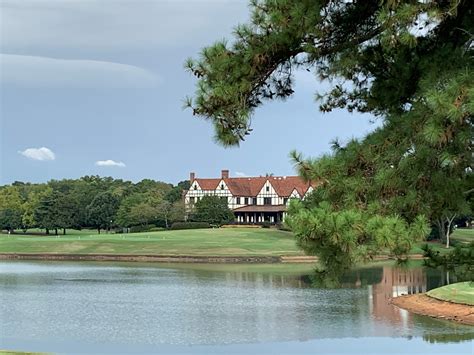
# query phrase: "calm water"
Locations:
[[124, 308]]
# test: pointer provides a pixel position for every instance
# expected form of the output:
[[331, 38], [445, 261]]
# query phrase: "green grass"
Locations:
[[205, 242], [461, 292], [436, 246], [197, 242], [463, 235]]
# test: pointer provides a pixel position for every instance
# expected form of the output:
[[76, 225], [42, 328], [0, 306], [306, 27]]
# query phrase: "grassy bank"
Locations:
[[461, 292], [198, 242], [201, 242]]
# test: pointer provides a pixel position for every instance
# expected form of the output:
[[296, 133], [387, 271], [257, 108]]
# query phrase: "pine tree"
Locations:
[[410, 63]]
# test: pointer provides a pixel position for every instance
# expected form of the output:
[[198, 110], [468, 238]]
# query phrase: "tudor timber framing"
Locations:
[[253, 199]]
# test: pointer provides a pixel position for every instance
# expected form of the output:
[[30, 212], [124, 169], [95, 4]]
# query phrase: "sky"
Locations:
[[96, 87]]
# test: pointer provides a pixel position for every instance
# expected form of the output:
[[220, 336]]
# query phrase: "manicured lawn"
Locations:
[[463, 235], [461, 292], [206, 242], [436, 246]]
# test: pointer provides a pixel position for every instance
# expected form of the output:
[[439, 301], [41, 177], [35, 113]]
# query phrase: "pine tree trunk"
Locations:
[[55, 231], [64, 231], [98, 229], [47, 230]]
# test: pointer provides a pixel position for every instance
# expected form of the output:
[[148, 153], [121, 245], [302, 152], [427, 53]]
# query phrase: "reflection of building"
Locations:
[[252, 199], [395, 282]]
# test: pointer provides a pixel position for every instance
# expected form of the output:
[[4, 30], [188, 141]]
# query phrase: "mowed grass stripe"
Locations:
[[202, 242], [461, 292]]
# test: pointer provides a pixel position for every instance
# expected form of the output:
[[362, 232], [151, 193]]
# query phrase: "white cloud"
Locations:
[[41, 72], [42, 154], [240, 174], [110, 162]]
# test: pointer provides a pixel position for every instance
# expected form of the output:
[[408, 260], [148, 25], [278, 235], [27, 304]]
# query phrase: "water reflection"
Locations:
[[395, 281], [67, 305]]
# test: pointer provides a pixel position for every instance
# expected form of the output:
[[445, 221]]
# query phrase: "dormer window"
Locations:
[[268, 188], [222, 186]]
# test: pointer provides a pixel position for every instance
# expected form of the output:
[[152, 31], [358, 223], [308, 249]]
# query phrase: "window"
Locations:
[[195, 187], [246, 201], [285, 200], [267, 200], [191, 200], [222, 186], [254, 201], [267, 188], [238, 200]]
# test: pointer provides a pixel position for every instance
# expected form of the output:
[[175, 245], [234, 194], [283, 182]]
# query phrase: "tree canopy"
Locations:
[[409, 63], [91, 201], [213, 210]]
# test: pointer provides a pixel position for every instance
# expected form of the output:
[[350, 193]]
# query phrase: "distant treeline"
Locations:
[[90, 202]]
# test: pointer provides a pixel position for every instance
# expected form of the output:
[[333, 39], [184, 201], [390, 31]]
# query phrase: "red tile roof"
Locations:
[[208, 184], [284, 186], [251, 186]]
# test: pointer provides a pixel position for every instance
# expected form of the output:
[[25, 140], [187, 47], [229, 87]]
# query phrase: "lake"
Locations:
[[163, 308]]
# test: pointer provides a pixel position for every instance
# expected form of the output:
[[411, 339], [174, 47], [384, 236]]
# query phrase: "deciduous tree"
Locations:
[[213, 210], [102, 210]]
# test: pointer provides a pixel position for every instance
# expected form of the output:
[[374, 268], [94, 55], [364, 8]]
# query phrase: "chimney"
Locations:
[[225, 174], [191, 177]]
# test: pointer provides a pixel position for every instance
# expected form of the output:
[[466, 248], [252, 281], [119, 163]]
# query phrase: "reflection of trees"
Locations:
[[344, 278], [448, 338], [457, 265]]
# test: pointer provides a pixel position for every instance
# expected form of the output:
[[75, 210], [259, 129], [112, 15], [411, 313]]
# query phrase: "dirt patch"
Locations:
[[428, 306], [298, 259]]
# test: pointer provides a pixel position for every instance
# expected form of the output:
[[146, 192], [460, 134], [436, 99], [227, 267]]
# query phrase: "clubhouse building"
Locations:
[[252, 199]]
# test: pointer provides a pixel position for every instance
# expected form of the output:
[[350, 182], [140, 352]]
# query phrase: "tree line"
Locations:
[[96, 202]]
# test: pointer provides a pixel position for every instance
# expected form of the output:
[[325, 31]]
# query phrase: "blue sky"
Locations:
[[96, 87]]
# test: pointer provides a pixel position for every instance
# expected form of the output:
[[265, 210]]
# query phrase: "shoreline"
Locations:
[[198, 259], [425, 305]]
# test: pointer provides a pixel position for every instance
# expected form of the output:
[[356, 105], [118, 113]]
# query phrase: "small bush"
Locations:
[[139, 229], [283, 227], [190, 225]]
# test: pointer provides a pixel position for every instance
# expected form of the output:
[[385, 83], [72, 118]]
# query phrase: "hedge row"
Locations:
[[190, 225]]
